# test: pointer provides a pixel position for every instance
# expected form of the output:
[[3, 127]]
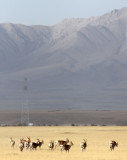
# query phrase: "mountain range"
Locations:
[[76, 64]]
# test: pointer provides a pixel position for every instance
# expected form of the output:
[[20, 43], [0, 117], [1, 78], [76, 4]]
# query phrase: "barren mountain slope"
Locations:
[[78, 63]]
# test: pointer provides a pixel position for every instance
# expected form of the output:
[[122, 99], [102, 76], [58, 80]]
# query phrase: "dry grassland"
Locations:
[[97, 137]]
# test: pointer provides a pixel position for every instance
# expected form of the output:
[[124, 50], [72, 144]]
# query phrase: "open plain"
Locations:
[[97, 142], [41, 117]]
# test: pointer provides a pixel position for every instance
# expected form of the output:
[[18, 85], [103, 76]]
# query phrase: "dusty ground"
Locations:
[[66, 117]]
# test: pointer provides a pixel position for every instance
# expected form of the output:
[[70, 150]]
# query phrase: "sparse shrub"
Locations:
[[93, 124]]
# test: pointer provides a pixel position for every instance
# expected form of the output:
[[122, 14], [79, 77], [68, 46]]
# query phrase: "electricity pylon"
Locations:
[[25, 105]]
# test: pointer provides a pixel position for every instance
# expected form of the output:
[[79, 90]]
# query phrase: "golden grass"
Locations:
[[97, 138]]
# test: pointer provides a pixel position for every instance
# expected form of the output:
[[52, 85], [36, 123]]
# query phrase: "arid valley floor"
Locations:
[[66, 117]]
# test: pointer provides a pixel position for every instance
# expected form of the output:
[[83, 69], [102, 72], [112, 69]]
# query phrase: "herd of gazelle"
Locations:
[[62, 144]]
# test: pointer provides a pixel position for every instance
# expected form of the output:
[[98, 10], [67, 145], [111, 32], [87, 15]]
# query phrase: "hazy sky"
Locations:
[[50, 12]]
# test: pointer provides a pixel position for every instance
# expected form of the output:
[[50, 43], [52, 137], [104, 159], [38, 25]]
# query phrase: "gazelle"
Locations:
[[83, 145], [12, 142]]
